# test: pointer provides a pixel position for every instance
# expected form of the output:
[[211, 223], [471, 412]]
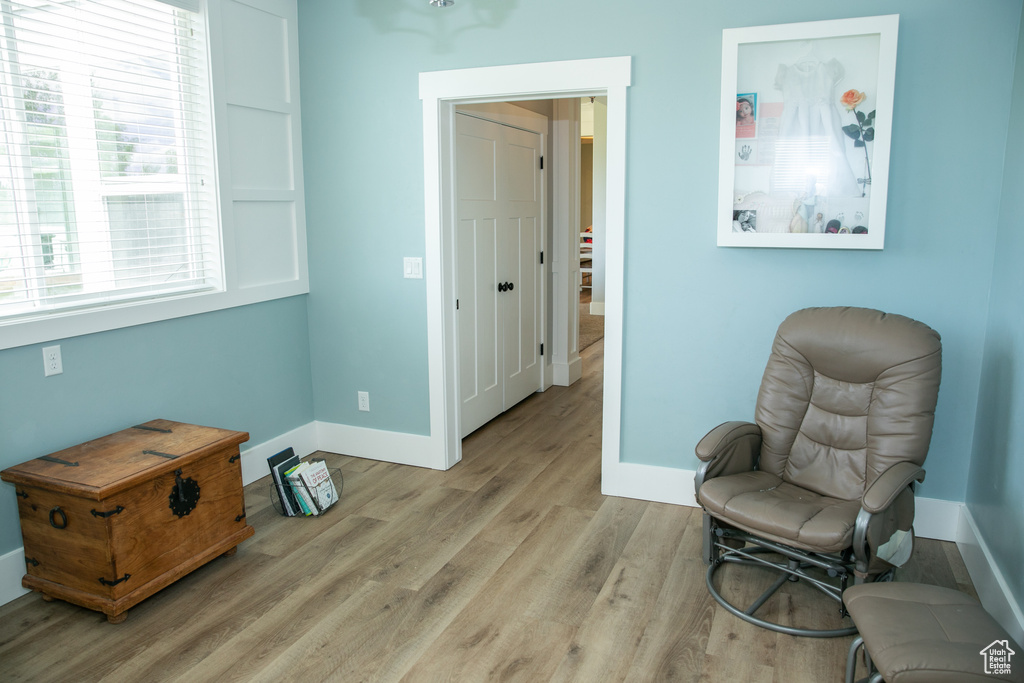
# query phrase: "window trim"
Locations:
[[78, 323], [72, 323]]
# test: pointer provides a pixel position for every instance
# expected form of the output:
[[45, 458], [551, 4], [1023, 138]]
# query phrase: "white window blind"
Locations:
[[106, 172]]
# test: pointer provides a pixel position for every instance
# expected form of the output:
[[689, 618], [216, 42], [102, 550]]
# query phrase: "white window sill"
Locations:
[[76, 323]]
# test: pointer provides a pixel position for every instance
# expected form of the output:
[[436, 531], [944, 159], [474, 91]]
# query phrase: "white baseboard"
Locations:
[[376, 444], [303, 440], [565, 374], [648, 482], [933, 518], [597, 308], [12, 568], [360, 442], [994, 592]]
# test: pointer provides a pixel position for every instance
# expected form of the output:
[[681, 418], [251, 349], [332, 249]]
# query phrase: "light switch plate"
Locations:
[[413, 267]]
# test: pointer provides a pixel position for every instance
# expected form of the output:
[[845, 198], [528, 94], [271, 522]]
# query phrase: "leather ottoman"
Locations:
[[914, 633]]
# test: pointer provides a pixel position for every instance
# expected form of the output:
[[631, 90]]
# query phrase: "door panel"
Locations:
[[522, 328], [477, 165], [523, 167], [478, 321]]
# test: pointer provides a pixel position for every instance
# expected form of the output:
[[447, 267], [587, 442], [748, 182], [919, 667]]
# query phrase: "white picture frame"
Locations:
[[799, 167]]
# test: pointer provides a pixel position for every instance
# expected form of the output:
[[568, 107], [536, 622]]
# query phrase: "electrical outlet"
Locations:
[[52, 363], [364, 401]]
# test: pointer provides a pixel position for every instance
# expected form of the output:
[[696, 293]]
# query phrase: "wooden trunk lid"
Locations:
[[105, 466]]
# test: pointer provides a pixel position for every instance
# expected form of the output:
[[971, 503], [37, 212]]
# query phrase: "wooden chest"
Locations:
[[110, 522]]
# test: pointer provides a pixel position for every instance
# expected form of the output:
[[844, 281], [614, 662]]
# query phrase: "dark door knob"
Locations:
[[501, 286], [510, 286]]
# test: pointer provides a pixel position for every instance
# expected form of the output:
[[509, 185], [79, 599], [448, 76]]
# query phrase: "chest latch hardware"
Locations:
[[184, 496]]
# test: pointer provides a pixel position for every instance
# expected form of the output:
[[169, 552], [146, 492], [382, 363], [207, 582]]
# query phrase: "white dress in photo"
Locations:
[[810, 125]]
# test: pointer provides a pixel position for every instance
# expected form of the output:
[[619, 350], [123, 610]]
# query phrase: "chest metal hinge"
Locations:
[[50, 458], [109, 513], [153, 429], [115, 581]]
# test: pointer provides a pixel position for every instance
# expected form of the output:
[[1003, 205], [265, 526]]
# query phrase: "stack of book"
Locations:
[[304, 488]]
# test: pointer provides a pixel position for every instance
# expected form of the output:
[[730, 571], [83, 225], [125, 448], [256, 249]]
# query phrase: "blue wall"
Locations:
[[244, 368], [698, 319], [995, 493]]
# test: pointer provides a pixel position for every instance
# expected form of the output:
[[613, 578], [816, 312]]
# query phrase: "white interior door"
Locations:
[[498, 245], [522, 236], [477, 178]]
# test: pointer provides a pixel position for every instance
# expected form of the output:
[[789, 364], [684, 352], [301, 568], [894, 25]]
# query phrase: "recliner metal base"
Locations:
[[797, 566], [851, 664]]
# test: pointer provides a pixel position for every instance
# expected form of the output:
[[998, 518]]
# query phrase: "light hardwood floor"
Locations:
[[509, 567]]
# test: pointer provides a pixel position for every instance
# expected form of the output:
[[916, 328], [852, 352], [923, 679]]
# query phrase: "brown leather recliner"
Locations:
[[824, 476]]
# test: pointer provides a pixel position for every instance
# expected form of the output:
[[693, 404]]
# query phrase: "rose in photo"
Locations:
[[851, 98], [861, 132]]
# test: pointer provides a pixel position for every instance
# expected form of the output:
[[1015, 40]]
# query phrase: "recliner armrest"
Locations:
[[889, 484], [729, 448], [727, 439]]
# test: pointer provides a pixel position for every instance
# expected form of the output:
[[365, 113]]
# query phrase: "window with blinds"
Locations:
[[106, 155]]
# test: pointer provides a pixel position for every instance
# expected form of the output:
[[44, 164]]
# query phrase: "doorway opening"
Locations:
[[506, 220], [440, 92]]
